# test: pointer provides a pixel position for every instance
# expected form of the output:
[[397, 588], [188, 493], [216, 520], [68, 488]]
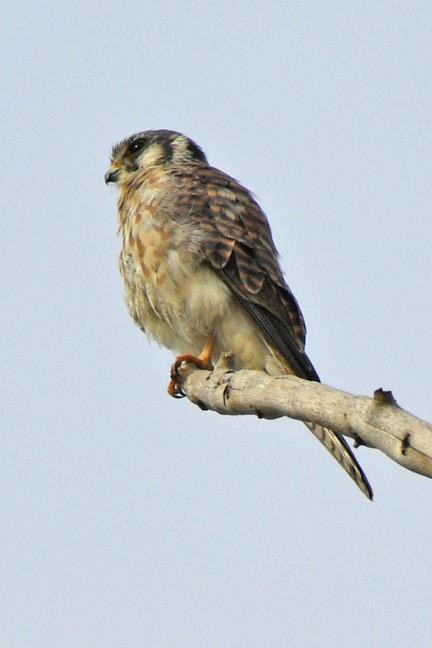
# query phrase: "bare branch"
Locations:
[[376, 422]]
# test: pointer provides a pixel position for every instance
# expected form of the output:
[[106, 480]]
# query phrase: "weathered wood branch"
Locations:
[[376, 422]]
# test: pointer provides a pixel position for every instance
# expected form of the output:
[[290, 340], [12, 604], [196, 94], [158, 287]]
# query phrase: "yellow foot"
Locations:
[[174, 387]]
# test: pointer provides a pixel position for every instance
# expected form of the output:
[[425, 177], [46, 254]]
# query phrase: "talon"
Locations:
[[203, 361], [175, 390], [174, 387]]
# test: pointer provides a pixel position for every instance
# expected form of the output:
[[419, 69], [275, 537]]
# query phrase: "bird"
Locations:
[[201, 270]]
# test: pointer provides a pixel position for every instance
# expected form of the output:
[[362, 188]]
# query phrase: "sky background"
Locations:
[[130, 519]]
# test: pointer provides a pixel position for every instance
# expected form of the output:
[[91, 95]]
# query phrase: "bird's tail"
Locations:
[[341, 451]]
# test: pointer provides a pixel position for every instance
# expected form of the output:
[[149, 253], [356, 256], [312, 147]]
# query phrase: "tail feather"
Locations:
[[341, 451]]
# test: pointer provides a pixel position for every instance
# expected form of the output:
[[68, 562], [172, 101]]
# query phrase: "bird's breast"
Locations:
[[170, 293]]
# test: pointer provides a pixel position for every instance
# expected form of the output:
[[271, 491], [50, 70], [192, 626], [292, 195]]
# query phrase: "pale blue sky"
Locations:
[[130, 519]]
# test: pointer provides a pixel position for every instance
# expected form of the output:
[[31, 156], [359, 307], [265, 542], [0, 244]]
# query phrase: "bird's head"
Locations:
[[151, 148]]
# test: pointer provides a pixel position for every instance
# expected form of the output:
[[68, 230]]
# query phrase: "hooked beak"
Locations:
[[111, 175]]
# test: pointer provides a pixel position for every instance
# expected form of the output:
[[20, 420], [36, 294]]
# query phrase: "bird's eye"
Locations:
[[136, 145]]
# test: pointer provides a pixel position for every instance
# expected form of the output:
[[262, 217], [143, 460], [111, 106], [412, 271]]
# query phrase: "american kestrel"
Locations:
[[201, 269]]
